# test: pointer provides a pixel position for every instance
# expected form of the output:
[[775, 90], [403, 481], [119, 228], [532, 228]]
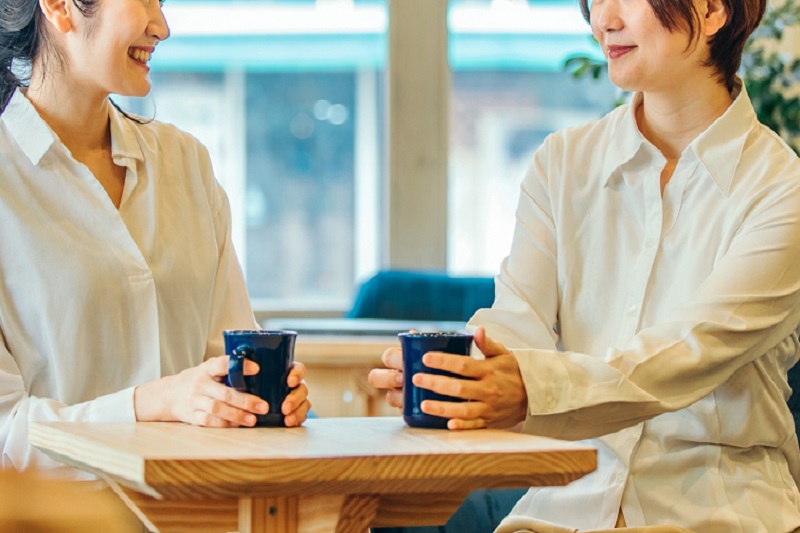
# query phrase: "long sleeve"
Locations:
[[747, 304], [525, 311], [18, 409]]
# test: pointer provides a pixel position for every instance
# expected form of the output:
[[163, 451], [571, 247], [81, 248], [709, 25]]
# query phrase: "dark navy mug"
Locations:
[[274, 353], [414, 346]]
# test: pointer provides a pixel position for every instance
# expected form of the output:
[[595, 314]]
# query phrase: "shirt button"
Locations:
[[631, 309]]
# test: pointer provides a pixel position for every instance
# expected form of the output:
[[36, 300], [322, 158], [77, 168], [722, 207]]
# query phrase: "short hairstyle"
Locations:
[[727, 45]]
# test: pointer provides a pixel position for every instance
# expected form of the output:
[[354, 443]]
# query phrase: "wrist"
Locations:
[[150, 401]]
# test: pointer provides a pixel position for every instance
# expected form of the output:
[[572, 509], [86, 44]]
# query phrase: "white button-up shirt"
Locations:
[[95, 300], [662, 326]]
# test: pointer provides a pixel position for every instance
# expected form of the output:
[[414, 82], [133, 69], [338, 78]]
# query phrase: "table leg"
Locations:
[[308, 514], [263, 515]]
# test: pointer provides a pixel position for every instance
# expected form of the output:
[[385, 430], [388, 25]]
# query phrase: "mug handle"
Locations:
[[236, 367]]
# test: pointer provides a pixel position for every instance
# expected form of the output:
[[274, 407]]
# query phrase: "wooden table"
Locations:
[[333, 475]]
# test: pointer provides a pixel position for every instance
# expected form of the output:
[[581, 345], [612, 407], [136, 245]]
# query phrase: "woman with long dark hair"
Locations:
[[117, 270]]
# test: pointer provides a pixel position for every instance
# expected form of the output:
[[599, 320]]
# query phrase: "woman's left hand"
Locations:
[[296, 405], [494, 386]]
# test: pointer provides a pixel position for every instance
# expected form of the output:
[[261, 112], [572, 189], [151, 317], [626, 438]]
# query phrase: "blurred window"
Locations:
[[288, 96], [508, 93]]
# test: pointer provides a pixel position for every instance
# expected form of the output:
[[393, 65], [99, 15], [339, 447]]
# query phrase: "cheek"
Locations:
[[598, 35]]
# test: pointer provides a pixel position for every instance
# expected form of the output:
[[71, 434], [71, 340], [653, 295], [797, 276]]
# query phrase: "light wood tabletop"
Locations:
[[332, 475]]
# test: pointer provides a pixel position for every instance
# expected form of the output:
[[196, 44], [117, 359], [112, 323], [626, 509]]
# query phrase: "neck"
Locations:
[[78, 117], [673, 119]]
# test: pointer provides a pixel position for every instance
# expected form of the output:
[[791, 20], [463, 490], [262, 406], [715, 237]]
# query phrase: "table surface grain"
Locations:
[[325, 456]]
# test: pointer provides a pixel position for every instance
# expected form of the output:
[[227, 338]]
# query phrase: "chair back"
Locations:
[[421, 295]]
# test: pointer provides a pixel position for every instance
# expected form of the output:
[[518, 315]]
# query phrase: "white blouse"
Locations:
[[95, 300], [660, 327]]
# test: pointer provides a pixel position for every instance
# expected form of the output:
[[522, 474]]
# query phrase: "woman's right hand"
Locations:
[[199, 396], [391, 377]]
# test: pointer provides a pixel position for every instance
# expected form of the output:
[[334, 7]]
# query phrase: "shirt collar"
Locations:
[[124, 141], [719, 148], [626, 140], [27, 128], [35, 137]]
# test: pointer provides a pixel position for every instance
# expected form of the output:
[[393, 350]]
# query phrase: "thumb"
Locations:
[[486, 345]]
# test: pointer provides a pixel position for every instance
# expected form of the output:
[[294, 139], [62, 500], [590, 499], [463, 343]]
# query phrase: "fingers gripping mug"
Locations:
[[274, 353], [414, 346]]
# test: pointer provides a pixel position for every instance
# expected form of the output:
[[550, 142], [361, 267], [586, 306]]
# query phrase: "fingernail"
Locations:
[[262, 408], [398, 379], [250, 420], [289, 420]]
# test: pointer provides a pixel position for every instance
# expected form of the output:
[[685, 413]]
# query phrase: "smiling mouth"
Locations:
[[618, 51], [139, 55]]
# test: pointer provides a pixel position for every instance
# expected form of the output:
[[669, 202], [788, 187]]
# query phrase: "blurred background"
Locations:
[[296, 100]]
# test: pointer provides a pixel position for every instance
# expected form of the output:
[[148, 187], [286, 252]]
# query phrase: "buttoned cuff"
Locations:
[[548, 386]]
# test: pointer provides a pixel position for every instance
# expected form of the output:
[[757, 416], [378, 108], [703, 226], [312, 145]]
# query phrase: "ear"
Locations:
[[716, 16], [58, 13]]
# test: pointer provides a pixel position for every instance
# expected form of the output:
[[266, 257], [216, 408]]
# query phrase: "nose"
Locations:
[[605, 15], [157, 27]]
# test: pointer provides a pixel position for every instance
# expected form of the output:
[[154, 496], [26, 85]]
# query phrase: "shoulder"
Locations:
[[178, 159], [767, 160], [767, 176], [176, 155]]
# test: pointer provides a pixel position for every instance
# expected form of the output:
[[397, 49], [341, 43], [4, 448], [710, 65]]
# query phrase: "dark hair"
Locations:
[[23, 39], [727, 45]]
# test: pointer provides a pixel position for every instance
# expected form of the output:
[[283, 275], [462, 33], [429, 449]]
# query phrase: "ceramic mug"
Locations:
[[274, 353], [414, 346]]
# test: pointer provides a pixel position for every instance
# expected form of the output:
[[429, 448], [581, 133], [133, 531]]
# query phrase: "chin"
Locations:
[[136, 92], [623, 82]]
